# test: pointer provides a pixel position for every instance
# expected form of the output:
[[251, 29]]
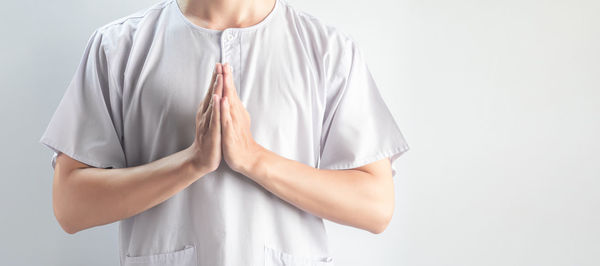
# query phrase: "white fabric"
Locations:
[[309, 92]]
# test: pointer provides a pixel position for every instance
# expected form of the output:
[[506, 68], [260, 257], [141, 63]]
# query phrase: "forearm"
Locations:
[[91, 196], [351, 197]]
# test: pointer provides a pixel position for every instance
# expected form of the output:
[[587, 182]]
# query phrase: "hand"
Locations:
[[240, 151], [206, 148]]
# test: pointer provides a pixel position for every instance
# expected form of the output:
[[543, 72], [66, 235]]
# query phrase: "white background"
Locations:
[[498, 100]]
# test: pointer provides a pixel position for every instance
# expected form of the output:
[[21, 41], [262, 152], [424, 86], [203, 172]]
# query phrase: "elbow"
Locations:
[[65, 203], [68, 229], [380, 225], [64, 217], [382, 218], [66, 225], [381, 203], [64, 221]]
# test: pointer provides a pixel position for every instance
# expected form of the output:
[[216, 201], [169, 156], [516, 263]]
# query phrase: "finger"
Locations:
[[219, 89], [236, 102], [214, 115], [216, 69], [207, 116], [229, 89], [218, 86], [214, 75], [206, 98], [215, 120], [232, 81], [226, 123], [212, 89]]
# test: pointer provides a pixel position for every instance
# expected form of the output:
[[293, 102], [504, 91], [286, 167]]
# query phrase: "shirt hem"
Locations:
[[59, 148], [393, 154]]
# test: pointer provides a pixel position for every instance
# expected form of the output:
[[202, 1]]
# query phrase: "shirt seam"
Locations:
[[134, 16]]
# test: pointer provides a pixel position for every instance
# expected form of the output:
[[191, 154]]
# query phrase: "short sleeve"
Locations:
[[358, 128], [86, 123]]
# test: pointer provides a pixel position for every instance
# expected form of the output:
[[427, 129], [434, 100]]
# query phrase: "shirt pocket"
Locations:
[[181, 257], [277, 257]]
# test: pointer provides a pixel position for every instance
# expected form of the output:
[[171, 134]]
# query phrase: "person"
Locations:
[[223, 132]]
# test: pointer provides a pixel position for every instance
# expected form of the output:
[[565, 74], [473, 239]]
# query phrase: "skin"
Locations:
[[85, 196], [222, 14]]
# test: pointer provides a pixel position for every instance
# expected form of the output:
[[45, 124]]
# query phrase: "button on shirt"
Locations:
[[306, 86]]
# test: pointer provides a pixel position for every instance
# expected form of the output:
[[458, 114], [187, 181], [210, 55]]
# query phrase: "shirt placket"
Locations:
[[230, 53]]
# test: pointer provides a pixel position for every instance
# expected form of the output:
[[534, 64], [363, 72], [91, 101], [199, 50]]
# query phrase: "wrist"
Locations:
[[190, 162], [255, 165]]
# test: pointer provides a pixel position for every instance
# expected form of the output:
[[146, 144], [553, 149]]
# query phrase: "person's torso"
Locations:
[[165, 67]]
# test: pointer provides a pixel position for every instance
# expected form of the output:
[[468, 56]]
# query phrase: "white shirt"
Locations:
[[310, 95]]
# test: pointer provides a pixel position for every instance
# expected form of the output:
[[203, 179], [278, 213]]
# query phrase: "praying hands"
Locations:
[[362, 197], [223, 127]]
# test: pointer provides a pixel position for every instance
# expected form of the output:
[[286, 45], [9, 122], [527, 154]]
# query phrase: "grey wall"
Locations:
[[499, 101]]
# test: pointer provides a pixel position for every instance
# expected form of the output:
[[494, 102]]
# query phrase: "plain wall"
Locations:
[[498, 100]]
